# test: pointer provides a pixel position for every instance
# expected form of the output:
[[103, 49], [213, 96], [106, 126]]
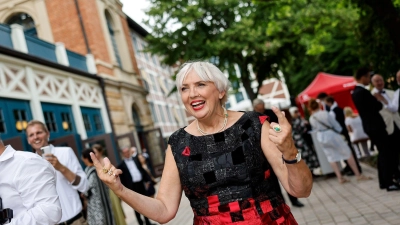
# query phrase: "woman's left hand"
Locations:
[[281, 134]]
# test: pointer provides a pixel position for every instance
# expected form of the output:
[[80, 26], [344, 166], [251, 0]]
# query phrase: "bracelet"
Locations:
[[296, 160]]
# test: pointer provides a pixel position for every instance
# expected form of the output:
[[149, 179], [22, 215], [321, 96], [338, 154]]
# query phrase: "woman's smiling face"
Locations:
[[201, 98]]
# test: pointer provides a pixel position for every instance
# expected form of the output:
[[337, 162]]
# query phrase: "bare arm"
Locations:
[[295, 178], [164, 207], [72, 170], [349, 128]]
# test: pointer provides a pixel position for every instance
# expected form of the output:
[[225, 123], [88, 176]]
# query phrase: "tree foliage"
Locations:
[[298, 37], [378, 32], [312, 36], [220, 30]]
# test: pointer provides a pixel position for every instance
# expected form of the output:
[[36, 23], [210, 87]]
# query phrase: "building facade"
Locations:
[[98, 31], [167, 109], [272, 91], [43, 81]]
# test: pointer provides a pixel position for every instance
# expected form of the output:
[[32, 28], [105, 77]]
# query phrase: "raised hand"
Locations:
[[281, 134], [108, 173]]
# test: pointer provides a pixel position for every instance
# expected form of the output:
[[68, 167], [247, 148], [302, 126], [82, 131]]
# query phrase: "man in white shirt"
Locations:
[[386, 96], [70, 176], [391, 118], [396, 96], [28, 187], [133, 176]]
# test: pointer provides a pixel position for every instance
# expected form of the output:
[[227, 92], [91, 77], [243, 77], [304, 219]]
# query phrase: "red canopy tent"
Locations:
[[339, 87]]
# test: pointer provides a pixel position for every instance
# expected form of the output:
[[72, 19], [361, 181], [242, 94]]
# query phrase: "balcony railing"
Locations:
[[41, 48], [77, 61], [5, 36], [13, 37]]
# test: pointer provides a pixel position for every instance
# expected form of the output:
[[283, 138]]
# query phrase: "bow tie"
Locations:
[[382, 92]]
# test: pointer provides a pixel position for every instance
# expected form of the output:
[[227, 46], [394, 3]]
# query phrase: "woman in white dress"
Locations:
[[357, 135], [333, 144]]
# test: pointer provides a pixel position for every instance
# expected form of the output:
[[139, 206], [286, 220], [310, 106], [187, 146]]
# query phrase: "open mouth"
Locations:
[[198, 105]]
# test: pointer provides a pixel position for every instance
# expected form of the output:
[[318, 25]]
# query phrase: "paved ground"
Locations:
[[330, 203]]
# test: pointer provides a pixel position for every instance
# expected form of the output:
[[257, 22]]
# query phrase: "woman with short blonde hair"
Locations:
[[357, 135]]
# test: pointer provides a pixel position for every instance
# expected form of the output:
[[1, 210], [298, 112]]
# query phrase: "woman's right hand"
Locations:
[[108, 173]]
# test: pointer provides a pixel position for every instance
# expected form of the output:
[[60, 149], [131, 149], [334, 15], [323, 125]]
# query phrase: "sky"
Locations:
[[134, 9]]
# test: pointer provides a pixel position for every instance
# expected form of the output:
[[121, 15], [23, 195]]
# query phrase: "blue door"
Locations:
[[14, 116], [93, 121], [59, 119]]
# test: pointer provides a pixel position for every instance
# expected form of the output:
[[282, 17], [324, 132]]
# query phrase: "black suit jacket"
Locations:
[[126, 177], [339, 116], [368, 108]]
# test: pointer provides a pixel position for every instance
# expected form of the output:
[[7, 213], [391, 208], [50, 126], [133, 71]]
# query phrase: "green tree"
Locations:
[[311, 36], [223, 31], [299, 38], [378, 32]]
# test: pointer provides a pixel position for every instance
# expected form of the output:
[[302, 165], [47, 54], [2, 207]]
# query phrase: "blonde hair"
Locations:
[[347, 111], [207, 72], [36, 122]]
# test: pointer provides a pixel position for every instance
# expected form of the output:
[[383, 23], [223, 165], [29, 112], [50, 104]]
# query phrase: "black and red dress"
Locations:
[[227, 178]]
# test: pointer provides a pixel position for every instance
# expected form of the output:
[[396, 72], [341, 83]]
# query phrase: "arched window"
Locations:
[[24, 20], [136, 120], [110, 27]]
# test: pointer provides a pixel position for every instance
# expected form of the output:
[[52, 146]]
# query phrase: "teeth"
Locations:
[[196, 103]]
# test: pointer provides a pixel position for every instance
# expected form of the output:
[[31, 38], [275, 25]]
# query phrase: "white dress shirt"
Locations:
[[395, 101], [361, 85], [133, 170], [390, 101], [28, 187], [69, 198], [389, 111], [331, 112]]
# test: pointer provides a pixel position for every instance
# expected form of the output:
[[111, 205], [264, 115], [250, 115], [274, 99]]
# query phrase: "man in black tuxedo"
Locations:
[[259, 106], [337, 113], [133, 176], [374, 126]]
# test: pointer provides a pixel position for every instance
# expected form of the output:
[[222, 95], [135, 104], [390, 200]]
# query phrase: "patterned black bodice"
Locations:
[[226, 176]]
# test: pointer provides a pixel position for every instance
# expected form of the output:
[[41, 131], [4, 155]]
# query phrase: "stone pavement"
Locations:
[[330, 203]]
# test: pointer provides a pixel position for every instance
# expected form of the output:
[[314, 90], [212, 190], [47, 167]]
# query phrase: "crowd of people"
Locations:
[[346, 136], [229, 164]]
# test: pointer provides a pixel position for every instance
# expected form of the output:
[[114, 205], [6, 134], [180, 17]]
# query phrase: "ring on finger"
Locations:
[[110, 172], [105, 170], [277, 128]]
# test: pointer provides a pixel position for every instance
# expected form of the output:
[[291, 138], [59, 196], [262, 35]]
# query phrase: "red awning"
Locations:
[[327, 83], [339, 87]]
